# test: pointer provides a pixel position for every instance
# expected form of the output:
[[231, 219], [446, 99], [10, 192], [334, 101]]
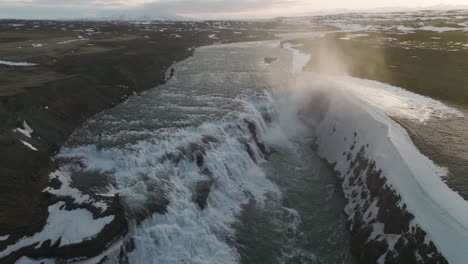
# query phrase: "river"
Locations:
[[214, 166]]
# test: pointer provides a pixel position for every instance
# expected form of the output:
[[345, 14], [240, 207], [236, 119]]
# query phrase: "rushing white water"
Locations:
[[189, 158], [199, 133]]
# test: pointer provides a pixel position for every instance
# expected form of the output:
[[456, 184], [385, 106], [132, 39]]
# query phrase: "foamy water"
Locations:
[[194, 135]]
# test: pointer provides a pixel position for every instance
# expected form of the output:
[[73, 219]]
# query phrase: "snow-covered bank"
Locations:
[[393, 101], [352, 121], [64, 227], [395, 194], [78, 226]]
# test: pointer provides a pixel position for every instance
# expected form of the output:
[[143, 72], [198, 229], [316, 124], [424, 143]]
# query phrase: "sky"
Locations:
[[197, 9]]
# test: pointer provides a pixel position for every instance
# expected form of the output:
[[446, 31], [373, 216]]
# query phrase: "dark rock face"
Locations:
[[258, 141], [156, 201], [381, 227], [202, 190], [195, 152]]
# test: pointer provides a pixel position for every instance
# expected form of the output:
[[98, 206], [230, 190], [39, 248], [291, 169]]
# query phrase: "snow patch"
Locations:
[[26, 260], [70, 227], [28, 145], [352, 27], [352, 36], [66, 190], [213, 36], [430, 28], [72, 40], [26, 130], [18, 64]]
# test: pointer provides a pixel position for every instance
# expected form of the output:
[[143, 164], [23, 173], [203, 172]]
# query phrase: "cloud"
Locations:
[[209, 6], [188, 8], [62, 3], [134, 8], [167, 5]]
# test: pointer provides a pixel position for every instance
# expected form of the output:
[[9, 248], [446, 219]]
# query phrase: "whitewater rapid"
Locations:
[[189, 157]]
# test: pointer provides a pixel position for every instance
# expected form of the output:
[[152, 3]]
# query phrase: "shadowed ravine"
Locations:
[[307, 224]]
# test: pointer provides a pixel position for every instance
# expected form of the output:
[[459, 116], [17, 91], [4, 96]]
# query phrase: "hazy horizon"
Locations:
[[210, 9]]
